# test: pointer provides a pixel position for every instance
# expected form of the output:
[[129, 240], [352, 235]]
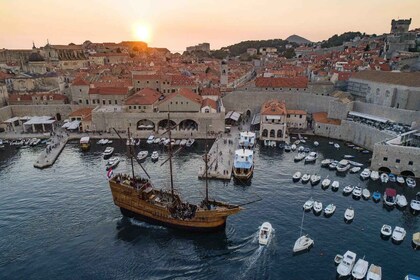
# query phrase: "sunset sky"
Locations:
[[176, 24]]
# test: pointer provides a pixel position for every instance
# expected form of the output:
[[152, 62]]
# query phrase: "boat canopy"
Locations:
[[367, 116], [84, 140], [390, 192], [232, 115], [416, 237]]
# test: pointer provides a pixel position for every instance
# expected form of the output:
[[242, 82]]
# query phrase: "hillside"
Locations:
[[338, 40], [240, 48], [297, 39]]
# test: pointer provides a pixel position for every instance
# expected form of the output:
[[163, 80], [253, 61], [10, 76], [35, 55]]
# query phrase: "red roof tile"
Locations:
[[296, 82], [273, 107], [109, 90], [210, 91], [209, 102], [145, 96]]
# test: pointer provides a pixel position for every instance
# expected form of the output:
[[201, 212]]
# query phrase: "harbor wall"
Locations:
[[394, 114], [63, 110], [339, 110]]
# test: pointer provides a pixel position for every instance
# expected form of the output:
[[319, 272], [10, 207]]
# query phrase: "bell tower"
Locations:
[[224, 72]]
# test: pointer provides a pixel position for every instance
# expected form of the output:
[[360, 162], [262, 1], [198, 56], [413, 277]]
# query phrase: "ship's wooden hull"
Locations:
[[133, 205], [243, 175]]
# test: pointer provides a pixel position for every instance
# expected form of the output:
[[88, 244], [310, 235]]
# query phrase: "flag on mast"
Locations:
[[110, 173]]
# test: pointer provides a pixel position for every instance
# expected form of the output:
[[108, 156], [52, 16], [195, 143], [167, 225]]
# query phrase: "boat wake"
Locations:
[[137, 223]]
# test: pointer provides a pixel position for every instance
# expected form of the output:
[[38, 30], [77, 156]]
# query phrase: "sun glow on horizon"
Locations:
[[142, 33]]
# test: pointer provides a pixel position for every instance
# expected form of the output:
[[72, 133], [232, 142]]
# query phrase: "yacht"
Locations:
[[401, 200], [308, 204], [349, 214], [330, 209], [357, 192], [112, 162], [400, 179], [365, 174], [360, 269], [311, 157], [343, 165], [296, 176], [390, 197], [386, 230], [374, 175], [317, 207], [265, 233], [374, 272], [300, 156], [315, 179], [384, 178], [355, 169], [243, 164], [326, 183], [306, 178], [142, 155], [247, 140], [303, 242], [151, 139], [108, 152], [346, 265], [411, 182], [326, 162], [398, 234], [348, 189], [366, 193], [155, 156], [335, 185]]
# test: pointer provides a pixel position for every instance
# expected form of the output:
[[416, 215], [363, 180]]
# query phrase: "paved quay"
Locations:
[[50, 154]]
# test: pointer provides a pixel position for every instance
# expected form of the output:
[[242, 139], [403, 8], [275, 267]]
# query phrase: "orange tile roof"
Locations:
[[322, 117], [109, 90], [209, 102], [296, 112], [296, 82], [187, 93], [210, 91], [79, 81], [145, 96], [273, 107], [85, 113]]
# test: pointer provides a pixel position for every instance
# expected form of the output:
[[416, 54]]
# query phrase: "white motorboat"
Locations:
[[301, 149], [331, 143], [415, 203], [166, 142], [156, 141], [398, 234], [416, 239], [130, 142], [317, 207], [400, 180], [348, 156], [112, 162], [343, 165], [138, 142], [348, 189], [183, 142], [386, 230], [151, 139], [311, 157], [357, 192], [302, 141], [365, 174], [337, 259], [336, 146], [355, 163], [374, 175], [177, 142], [308, 204], [142, 155], [366, 193], [390, 197], [190, 142], [108, 152], [293, 147], [346, 265], [303, 242], [349, 214], [306, 178], [325, 162], [102, 142], [384, 178], [333, 165], [401, 200], [300, 156], [296, 176], [355, 169], [330, 209], [316, 143], [315, 179], [155, 156], [265, 233], [360, 269], [374, 272], [326, 183], [247, 140], [411, 182], [335, 185]]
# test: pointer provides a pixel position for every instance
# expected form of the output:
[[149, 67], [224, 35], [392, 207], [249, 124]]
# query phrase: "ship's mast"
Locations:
[[130, 150], [205, 160], [170, 156]]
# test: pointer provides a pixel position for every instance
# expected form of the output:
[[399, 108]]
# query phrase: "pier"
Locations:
[[50, 154]]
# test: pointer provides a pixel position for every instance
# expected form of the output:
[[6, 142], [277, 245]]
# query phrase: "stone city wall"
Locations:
[[397, 115], [339, 110], [38, 110]]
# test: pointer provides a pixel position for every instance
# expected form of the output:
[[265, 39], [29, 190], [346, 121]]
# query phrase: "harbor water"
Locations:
[[61, 222]]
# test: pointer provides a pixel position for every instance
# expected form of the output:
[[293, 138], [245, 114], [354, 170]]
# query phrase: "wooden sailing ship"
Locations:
[[138, 198]]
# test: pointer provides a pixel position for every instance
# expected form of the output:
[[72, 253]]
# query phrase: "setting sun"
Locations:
[[142, 33]]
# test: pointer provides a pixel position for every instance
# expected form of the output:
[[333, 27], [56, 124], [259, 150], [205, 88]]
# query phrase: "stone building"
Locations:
[[400, 26], [107, 95], [273, 122], [4, 95], [205, 47], [165, 84], [143, 101], [183, 100], [38, 99]]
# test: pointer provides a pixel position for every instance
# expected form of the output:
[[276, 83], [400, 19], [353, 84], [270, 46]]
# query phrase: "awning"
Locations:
[[73, 125], [416, 237], [233, 115], [367, 116], [390, 192], [40, 120], [273, 117]]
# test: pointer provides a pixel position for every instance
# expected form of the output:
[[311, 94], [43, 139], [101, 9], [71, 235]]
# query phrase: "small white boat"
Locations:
[[302, 141], [400, 179], [308, 204], [316, 144], [301, 149], [177, 142], [337, 259], [333, 165], [166, 142], [311, 157], [155, 156], [374, 272], [297, 176], [190, 142], [365, 174], [151, 139], [386, 230], [336, 146], [326, 183], [401, 200], [138, 142], [360, 269], [411, 182], [415, 204], [306, 178], [330, 209], [348, 156], [325, 162], [384, 178], [374, 175], [335, 185], [130, 142], [366, 193], [349, 214], [183, 142], [112, 162], [315, 179], [302, 243], [348, 189], [293, 147], [331, 143], [355, 163], [346, 265], [355, 169], [398, 234], [416, 238], [357, 192], [343, 165], [264, 235], [300, 156], [390, 197], [142, 155], [317, 207], [156, 141], [108, 152]]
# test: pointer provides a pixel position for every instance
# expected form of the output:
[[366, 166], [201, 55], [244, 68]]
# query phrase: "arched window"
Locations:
[[265, 133], [272, 133]]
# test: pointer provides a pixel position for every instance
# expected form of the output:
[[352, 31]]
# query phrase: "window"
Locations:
[[129, 107], [410, 162], [182, 102], [288, 115], [147, 82], [300, 116], [93, 101], [176, 102], [116, 102], [171, 102], [157, 82], [103, 101], [134, 107], [80, 101], [109, 102], [80, 90], [397, 160], [87, 102], [144, 107], [385, 158]]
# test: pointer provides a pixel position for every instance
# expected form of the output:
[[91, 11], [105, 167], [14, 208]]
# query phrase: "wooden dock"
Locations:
[[50, 154]]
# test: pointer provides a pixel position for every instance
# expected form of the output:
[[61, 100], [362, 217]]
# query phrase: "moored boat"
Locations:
[[154, 156], [333, 165], [376, 196], [304, 241], [348, 156], [315, 179], [386, 230], [308, 204], [390, 197], [411, 182], [330, 209], [349, 214], [374, 272], [335, 185], [416, 239], [299, 157], [325, 162], [108, 152], [243, 164], [355, 169], [365, 174], [112, 163], [400, 179], [306, 178], [336, 146], [326, 183], [316, 143], [265, 233], [190, 142], [366, 193], [296, 176], [337, 259], [374, 175], [85, 143], [415, 203], [317, 207], [398, 234], [247, 140], [384, 178], [348, 189], [392, 177], [360, 269], [311, 157], [346, 265], [343, 165], [150, 139], [142, 155], [357, 192], [401, 200]]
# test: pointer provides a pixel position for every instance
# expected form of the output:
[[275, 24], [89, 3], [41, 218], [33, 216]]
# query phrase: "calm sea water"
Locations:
[[61, 223]]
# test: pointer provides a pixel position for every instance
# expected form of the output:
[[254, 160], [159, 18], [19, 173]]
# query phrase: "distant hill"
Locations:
[[297, 39], [240, 48], [338, 40]]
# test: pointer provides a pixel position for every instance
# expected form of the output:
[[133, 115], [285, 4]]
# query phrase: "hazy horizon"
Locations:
[[181, 23]]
